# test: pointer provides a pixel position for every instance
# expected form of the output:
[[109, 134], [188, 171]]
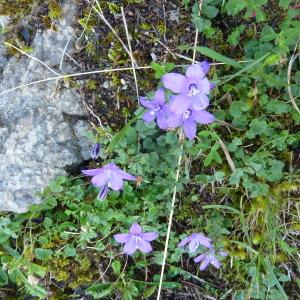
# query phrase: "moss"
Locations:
[[55, 10]]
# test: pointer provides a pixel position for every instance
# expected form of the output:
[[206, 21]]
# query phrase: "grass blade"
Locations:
[[218, 57]]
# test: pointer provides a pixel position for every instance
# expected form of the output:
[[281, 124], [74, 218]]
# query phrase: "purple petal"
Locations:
[[204, 263], [130, 247], [200, 103], [122, 237], [174, 120], [159, 96], [103, 193], [203, 86], [125, 175], [149, 116], [93, 172], [203, 117], [115, 181], [215, 262], [146, 103], [161, 120], [205, 66], [190, 128], [144, 246], [95, 151], [199, 258], [204, 241], [174, 82], [184, 241], [180, 103], [136, 229], [193, 245], [195, 71], [212, 85], [150, 236], [223, 253], [100, 179]]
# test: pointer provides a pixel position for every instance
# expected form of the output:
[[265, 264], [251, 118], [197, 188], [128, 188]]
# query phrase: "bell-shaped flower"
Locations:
[[96, 151], [186, 116], [136, 239], [195, 240], [193, 88], [108, 177], [156, 109], [209, 258]]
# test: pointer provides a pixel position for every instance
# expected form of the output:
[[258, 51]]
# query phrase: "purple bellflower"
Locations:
[[96, 151], [209, 258], [156, 109], [136, 239], [108, 177], [186, 116], [195, 240], [193, 88]]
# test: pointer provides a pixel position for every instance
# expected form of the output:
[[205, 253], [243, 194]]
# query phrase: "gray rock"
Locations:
[[43, 126]]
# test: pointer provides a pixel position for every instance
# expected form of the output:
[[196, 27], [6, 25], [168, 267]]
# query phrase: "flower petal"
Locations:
[[223, 253], [203, 117], [93, 172], [205, 66], [201, 102], [136, 229], [146, 103], [212, 85], [205, 263], [174, 82], [215, 262], [199, 258], [174, 120], [149, 116], [161, 120], [122, 237], [130, 246], [144, 246], [180, 103], [125, 175], [95, 151], [100, 180], [189, 128], [193, 245], [115, 181], [150, 236], [159, 96], [184, 241], [195, 71], [204, 241], [103, 193]]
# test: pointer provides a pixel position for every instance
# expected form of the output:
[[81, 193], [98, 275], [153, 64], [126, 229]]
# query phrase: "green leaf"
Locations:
[[100, 290], [236, 176], [213, 155], [257, 127], [284, 3], [43, 254], [69, 251], [218, 57], [149, 291], [3, 277], [222, 207], [116, 266], [247, 68], [209, 10]]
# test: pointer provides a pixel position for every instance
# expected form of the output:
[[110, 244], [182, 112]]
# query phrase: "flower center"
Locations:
[[193, 90], [187, 114], [155, 109]]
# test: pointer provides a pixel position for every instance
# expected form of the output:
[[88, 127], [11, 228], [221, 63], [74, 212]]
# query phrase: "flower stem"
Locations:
[[170, 218]]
